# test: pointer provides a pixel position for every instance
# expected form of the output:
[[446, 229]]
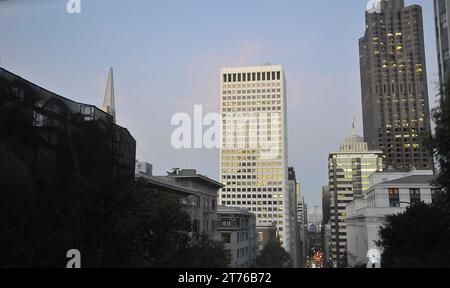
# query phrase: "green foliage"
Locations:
[[441, 139], [146, 229], [133, 226], [202, 252], [273, 256], [420, 237]]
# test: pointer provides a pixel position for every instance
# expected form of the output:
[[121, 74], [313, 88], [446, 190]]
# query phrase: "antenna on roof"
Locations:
[[353, 126]]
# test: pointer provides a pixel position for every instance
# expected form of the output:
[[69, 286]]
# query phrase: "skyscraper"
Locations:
[[349, 171], [294, 191], [254, 147], [394, 84], [442, 14]]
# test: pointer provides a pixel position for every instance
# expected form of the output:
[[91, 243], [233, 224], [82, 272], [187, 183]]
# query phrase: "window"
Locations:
[[228, 255], [435, 194], [278, 75], [197, 201], [414, 196], [226, 238], [196, 226], [225, 223], [394, 197]]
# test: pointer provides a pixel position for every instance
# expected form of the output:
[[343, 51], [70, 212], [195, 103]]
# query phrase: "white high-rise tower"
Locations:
[[254, 145], [109, 103]]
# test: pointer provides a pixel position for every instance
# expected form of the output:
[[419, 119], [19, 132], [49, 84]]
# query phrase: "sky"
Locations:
[[167, 56]]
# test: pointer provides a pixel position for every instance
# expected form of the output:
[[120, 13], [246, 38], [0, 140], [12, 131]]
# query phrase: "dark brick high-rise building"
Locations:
[[394, 84]]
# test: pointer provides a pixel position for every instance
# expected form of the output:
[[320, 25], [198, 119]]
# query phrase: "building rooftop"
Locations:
[[232, 210], [160, 182], [414, 179], [192, 174]]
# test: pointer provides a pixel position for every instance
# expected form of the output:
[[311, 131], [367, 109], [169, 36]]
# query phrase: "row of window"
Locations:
[[251, 103], [249, 109], [252, 85], [251, 77], [249, 196], [414, 196], [258, 203], [207, 226], [256, 177], [265, 189], [231, 92], [207, 202], [253, 183]]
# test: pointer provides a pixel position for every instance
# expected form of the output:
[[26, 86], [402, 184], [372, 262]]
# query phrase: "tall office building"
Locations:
[[254, 148], [442, 14], [294, 231], [394, 84], [349, 171]]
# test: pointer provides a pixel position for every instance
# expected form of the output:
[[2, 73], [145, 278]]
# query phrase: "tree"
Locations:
[[147, 229], [440, 141], [202, 252], [273, 256], [131, 225], [419, 237]]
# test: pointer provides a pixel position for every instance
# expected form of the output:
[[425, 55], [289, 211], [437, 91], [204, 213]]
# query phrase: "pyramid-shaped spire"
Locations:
[[109, 103]]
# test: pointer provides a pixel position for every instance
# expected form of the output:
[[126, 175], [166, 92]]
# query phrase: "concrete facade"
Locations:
[[237, 230], [349, 171], [253, 166], [198, 194], [390, 193]]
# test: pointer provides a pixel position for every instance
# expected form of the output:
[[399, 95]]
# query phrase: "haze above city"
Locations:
[[167, 57]]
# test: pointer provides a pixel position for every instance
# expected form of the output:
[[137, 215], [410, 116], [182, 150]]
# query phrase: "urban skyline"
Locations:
[[255, 50], [234, 144]]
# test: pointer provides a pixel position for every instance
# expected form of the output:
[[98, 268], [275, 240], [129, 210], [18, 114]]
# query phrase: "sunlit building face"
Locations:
[[253, 144], [349, 170]]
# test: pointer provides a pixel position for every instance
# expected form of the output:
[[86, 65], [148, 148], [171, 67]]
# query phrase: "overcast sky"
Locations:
[[167, 57]]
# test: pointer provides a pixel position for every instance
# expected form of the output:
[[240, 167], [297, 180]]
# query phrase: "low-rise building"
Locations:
[[198, 195], [390, 193], [237, 230]]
